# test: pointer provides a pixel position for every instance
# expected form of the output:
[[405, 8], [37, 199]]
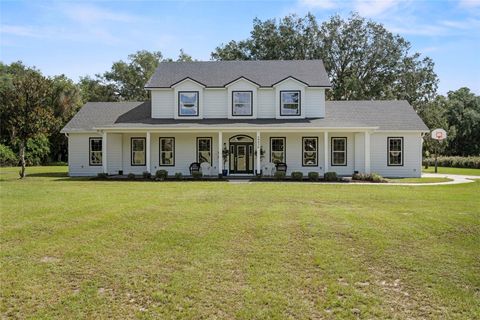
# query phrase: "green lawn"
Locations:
[[74, 248], [418, 180], [446, 170]]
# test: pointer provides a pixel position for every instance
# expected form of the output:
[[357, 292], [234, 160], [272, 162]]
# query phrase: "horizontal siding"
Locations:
[[162, 104], [114, 153], [266, 103], [359, 148], [314, 103], [216, 104], [412, 166], [78, 155]]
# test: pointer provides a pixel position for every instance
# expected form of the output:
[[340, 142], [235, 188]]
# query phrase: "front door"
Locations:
[[241, 158]]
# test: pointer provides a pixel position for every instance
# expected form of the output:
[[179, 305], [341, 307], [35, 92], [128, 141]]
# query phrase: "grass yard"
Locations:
[[73, 248], [418, 180], [447, 170]]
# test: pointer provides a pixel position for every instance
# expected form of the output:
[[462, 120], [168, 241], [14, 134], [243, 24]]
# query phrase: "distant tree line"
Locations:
[[364, 61]]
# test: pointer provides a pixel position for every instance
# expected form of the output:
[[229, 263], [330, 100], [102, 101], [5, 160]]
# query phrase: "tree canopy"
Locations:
[[363, 59]]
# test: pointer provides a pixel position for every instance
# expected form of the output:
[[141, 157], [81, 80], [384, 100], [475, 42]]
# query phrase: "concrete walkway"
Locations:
[[456, 179]]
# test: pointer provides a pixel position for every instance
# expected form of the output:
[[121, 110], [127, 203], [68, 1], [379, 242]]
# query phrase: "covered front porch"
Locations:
[[234, 152]]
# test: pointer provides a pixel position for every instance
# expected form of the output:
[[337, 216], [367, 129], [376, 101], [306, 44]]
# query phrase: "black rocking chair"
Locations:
[[281, 167], [194, 167]]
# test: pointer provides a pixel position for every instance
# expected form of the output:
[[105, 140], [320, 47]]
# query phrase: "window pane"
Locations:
[[188, 102], [204, 150], [167, 158], [290, 103], [339, 144], [138, 157], [96, 145], [96, 157], [339, 158], [310, 151], [310, 144], [138, 145], [242, 97], [395, 151], [242, 103], [166, 144]]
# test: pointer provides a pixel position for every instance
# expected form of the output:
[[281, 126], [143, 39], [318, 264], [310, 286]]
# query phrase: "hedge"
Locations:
[[454, 162]]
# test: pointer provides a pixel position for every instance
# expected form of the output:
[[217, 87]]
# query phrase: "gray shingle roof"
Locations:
[[264, 73], [384, 115]]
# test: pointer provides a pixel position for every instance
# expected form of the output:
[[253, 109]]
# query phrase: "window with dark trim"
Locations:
[[290, 103], [95, 151], [137, 150], [339, 151], [167, 151], [277, 150], [188, 103], [204, 150], [242, 103], [395, 151], [309, 151]]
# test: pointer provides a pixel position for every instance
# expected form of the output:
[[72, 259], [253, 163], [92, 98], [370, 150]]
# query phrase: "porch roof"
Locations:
[[390, 115]]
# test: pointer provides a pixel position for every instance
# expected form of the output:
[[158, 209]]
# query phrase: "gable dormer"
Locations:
[[188, 99], [242, 99], [289, 96]]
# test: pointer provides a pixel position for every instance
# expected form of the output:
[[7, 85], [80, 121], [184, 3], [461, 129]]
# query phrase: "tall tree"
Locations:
[[95, 90], [362, 58], [130, 77], [24, 108]]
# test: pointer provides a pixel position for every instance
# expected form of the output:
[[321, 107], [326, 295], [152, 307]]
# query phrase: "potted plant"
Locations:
[[225, 159]]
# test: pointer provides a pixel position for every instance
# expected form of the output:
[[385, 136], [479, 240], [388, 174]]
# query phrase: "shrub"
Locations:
[[313, 176], [297, 175], [178, 176], [279, 175], [197, 175], [131, 176], [7, 156], [146, 175], [372, 177], [102, 175], [161, 174], [330, 176], [454, 162]]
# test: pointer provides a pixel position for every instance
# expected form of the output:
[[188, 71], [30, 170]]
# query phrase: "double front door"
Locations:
[[241, 158]]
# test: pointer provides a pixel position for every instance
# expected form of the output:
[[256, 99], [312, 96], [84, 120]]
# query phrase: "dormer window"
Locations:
[[188, 103], [290, 103], [242, 103]]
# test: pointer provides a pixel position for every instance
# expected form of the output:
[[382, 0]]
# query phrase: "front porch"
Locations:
[[240, 153]]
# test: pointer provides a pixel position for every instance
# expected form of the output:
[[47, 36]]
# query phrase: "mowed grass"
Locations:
[[418, 180], [447, 170], [74, 248]]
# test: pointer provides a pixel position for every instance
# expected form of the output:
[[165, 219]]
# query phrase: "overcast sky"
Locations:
[[84, 38]]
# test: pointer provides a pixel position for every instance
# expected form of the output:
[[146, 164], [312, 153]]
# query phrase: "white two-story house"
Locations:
[[244, 117]]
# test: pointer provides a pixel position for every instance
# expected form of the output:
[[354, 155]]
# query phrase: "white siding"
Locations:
[[266, 103], [290, 84], [114, 153], [412, 158], [188, 85], [359, 157], [242, 85], [216, 105], [314, 103], [78, 155], [162, 103]]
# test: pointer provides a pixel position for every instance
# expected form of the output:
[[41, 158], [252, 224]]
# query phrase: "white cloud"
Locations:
[[21, 31], [88, 13], [469, 3], [320, 4], [373, 8]]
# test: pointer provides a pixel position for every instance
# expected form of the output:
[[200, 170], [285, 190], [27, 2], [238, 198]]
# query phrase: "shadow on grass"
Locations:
[[48, 175]]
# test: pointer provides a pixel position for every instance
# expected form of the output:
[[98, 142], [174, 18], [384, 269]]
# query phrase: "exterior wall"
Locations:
[[314, 102], [78, 155], [119, 153], [162, 103], [217, 102], [412, 157]]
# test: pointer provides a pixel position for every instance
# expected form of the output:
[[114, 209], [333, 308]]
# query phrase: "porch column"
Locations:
[[367, 152], [220, 154], [147, 151], [258, 153], [325, 151], [104, 152]]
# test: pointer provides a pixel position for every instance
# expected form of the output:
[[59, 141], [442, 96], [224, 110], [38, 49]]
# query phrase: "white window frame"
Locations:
[[210, 149], [132, 152], [90, 152], [344, 163], [304, 152], [389, 152], [284, 151], [161, 151]]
